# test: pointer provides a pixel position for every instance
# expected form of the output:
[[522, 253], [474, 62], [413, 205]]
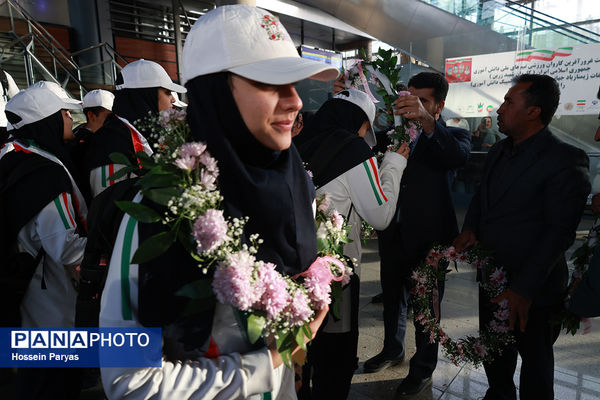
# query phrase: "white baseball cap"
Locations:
[[365, 103], [250, 42], [177, 102], [99, 98], [39, 101], [146, 74]]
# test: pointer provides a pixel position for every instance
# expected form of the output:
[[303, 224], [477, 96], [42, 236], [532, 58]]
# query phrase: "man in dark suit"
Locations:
[[425, 216], [526, 211]]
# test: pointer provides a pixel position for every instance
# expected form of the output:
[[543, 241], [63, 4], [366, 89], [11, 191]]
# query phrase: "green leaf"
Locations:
[[120, 158], [283, 340], [122, 172], [256, 325], [322, 245], [300, 339], [165, 170], [152, 180], [307, 331], [146, 160], [199, 289], [138, 211], [153, 247], [163, 195], [286, 356]]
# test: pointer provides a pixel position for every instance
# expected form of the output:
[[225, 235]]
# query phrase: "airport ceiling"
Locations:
[[428, 33]]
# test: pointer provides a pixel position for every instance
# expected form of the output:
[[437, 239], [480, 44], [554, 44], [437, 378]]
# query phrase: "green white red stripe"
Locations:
[[544, 55], [107, 171], [581, 102], [62, 205], [373, 176]]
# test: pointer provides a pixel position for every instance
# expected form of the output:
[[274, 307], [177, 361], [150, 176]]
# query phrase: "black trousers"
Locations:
[[332, 358], [535, 348], [395, 271]]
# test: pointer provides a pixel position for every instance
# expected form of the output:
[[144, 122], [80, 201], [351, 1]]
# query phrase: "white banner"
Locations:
[[478, 83]]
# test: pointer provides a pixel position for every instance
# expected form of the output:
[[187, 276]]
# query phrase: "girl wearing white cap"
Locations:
[[336, 145], [42, 213], [243, 104], [146, 88]]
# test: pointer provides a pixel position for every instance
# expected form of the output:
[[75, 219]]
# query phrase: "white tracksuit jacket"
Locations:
[[373, 193]]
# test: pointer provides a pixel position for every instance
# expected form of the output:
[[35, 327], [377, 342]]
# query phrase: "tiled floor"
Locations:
[[577, 358]]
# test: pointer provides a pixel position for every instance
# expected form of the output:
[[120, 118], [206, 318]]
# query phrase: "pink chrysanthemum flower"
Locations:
[[498, 277], [324, 203], [208, 179], [502, 314], [185, 163], [450, 254], [232, 285], [209, 162], [480, 349], [412, 132], [418, 277], [274, 295], [193, 149], [317, 281], [210, 230], [299, 309], [336, 219]]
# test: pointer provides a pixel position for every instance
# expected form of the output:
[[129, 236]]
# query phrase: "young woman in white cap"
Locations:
[[42, 213], [336, 145], [146, 88], [242, 103]]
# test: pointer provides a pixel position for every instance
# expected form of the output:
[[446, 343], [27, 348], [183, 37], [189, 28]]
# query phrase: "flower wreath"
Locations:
[[494, 336], [570, 321], [182, 177]]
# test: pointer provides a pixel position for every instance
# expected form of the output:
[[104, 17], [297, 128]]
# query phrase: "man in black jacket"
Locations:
[[526, 211], [425, 216]]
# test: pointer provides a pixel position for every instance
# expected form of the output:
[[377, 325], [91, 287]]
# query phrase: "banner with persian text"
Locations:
[[478, 83]]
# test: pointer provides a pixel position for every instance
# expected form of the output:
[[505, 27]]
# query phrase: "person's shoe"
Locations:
[[411, 386], [380, 362], [377, 299]]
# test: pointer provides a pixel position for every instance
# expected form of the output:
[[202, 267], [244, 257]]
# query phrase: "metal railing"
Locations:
[[46, 58], [39, 43], [148, 21], [109, 63]]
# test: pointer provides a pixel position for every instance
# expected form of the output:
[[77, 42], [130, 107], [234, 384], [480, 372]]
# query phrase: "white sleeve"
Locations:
[[99, 177], [56, 228], [374, 191], [231, 376], [12, 86]]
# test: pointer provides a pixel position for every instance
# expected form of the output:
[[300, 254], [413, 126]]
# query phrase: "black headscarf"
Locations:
[[330, 144], [270, 187], [135, 104], [43, 180]]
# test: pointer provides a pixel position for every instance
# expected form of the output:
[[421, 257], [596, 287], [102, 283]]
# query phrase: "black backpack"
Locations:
[[17, 267], [104, 219]]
